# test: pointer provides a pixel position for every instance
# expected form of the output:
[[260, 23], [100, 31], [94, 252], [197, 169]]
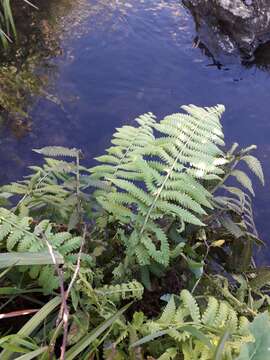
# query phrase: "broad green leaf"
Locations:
[[260, 348]]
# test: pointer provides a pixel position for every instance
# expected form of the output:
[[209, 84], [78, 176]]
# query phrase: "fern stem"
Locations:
[[79, 208], [228, 174], [123, 157]]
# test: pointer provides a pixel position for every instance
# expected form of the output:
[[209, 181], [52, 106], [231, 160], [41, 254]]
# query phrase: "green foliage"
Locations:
[[194, 329], [162, 206], [116, 293], [32, 325], [259, 348], [53, 190], [156, 170], [7, 26], [238, 201], [16, 234]]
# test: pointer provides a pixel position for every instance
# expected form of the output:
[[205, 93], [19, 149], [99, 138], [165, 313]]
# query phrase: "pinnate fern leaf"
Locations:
[[157, 170], [58, 151]]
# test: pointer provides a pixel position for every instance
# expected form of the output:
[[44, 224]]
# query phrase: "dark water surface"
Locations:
[[124, 58]]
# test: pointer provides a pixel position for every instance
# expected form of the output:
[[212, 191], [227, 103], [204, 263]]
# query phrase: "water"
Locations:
[[120, 59]]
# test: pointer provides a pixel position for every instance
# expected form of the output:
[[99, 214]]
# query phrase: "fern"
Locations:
[[21, 235], [157, 170], [131, 290], [54, 190], [177, 322], [237, 201], [255, 166]]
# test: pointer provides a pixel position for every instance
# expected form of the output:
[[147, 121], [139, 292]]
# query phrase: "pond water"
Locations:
[[120, 59]]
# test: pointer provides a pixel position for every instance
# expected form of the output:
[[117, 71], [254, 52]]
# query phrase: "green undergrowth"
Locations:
[[147, 255]]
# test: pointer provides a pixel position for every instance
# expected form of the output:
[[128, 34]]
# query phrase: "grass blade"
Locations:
[[34, 258], [33, 323], [33, 354], [221, 344], [93, 335], [189, 328]]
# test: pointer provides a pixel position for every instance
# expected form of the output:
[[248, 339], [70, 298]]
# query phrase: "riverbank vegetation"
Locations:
[[8, 31], [147, 255], [26, 50]]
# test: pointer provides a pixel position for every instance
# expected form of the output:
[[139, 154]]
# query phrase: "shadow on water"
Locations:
[[118, 59]]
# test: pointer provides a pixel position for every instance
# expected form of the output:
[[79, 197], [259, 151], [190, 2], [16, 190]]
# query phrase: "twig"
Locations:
[[77, 269], [63, 315], [78, 196], [64, 312], [18, 313]]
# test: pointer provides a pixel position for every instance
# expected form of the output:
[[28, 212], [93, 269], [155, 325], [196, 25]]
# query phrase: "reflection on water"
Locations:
[[123, 58]]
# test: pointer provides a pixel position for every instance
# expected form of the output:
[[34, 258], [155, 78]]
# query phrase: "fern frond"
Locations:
[[58, 151], [243, 326], [157, 169], [70, 245], [217, 316], [142, 255]]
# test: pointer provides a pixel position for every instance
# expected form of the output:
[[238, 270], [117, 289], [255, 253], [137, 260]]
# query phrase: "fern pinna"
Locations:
[[157, 170]]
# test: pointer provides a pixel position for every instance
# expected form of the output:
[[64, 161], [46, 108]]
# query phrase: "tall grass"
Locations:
[[7, 24]]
